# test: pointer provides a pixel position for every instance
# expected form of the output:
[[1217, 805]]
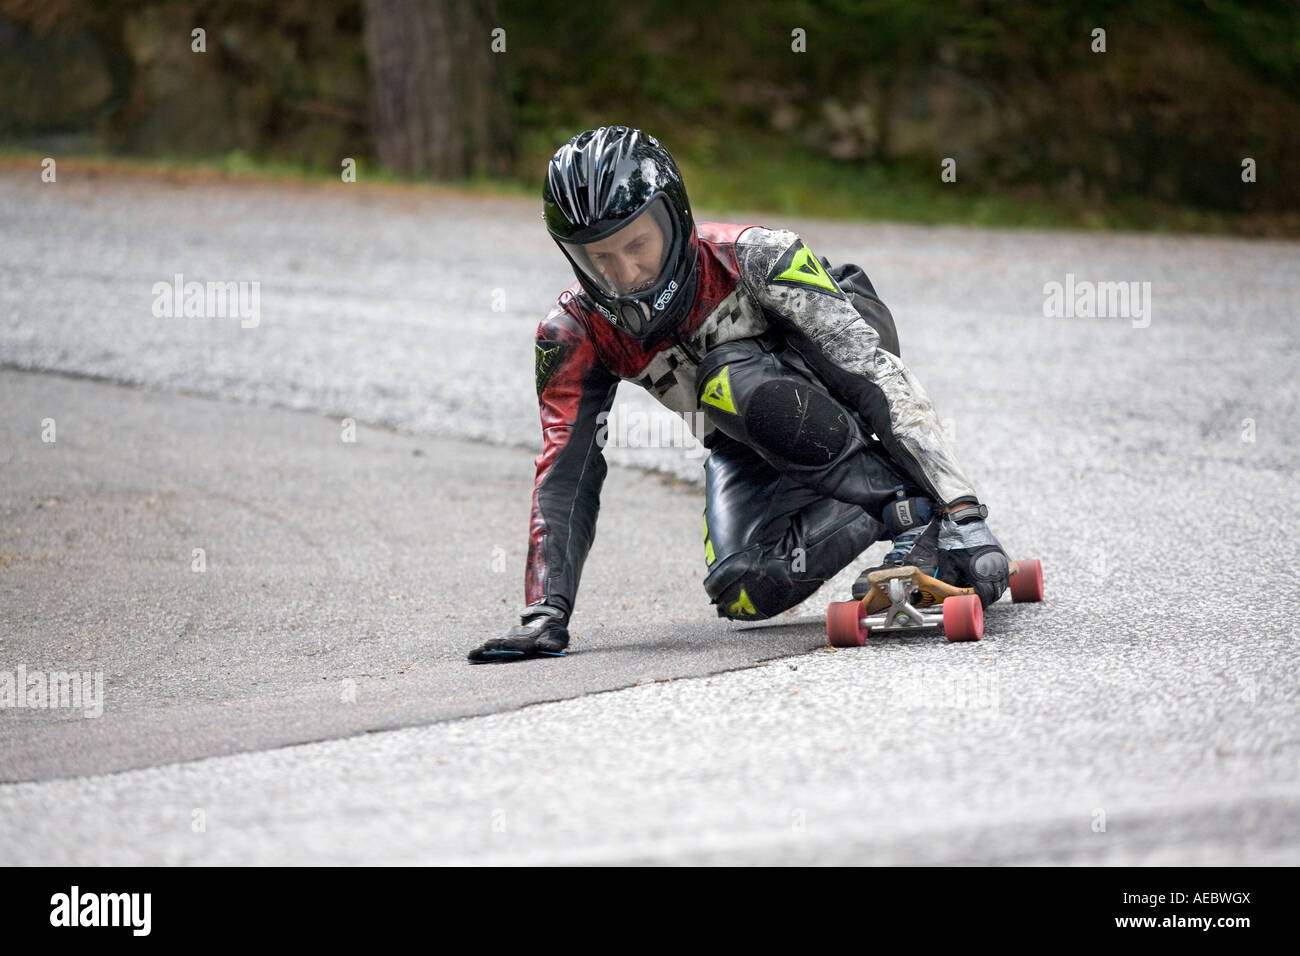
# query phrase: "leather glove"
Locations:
[[543, 632], [969, 555]]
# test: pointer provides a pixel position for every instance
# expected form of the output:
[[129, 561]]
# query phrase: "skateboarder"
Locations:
[[822, 441]]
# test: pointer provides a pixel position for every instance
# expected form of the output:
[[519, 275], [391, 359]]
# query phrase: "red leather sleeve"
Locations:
[[574, 395]]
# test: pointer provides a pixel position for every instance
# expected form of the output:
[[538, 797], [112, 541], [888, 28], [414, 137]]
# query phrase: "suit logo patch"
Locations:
[[800, 267], [547, 357], [743, 605], [717, 392]]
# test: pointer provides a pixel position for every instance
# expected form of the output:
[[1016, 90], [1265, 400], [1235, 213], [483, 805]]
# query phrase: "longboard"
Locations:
[[906, 598]]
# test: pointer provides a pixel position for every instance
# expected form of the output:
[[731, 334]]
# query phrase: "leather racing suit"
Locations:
[[790, 373]]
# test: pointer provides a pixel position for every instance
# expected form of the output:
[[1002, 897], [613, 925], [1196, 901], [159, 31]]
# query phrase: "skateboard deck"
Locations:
[[926, 591]]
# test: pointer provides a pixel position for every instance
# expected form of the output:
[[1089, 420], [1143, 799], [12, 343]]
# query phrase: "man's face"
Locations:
[[629, 260]]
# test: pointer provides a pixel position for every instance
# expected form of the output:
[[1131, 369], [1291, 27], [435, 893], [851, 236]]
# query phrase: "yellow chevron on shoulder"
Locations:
[[803, 267]]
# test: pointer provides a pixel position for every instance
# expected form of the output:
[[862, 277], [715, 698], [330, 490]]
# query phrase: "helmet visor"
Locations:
[[629, 261]]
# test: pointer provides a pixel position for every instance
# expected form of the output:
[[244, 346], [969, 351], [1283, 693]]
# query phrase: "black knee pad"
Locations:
[[731, 585], [797, 422], [751, 586]]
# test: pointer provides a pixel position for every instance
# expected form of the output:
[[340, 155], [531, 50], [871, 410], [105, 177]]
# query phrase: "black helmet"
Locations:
[[615, 204]]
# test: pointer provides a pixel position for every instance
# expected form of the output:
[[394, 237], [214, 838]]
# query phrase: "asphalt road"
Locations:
[[330, 570], [1147, 712]]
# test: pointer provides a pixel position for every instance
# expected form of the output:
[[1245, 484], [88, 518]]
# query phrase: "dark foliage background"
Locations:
[[1185, 90]]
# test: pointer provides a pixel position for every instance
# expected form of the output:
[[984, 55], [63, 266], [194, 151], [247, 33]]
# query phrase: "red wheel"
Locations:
[[844, 627], [1027, 583], [963, 618]]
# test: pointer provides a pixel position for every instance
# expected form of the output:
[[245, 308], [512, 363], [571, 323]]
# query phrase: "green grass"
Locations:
[[238, 165], [753, 177], [790, 183], [731, 174]]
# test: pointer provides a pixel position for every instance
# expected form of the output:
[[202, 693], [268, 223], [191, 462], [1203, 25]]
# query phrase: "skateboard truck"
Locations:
[[900, 614], [901, 599]]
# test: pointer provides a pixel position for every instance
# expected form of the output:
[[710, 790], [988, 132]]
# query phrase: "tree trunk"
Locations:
[[440, 105]]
